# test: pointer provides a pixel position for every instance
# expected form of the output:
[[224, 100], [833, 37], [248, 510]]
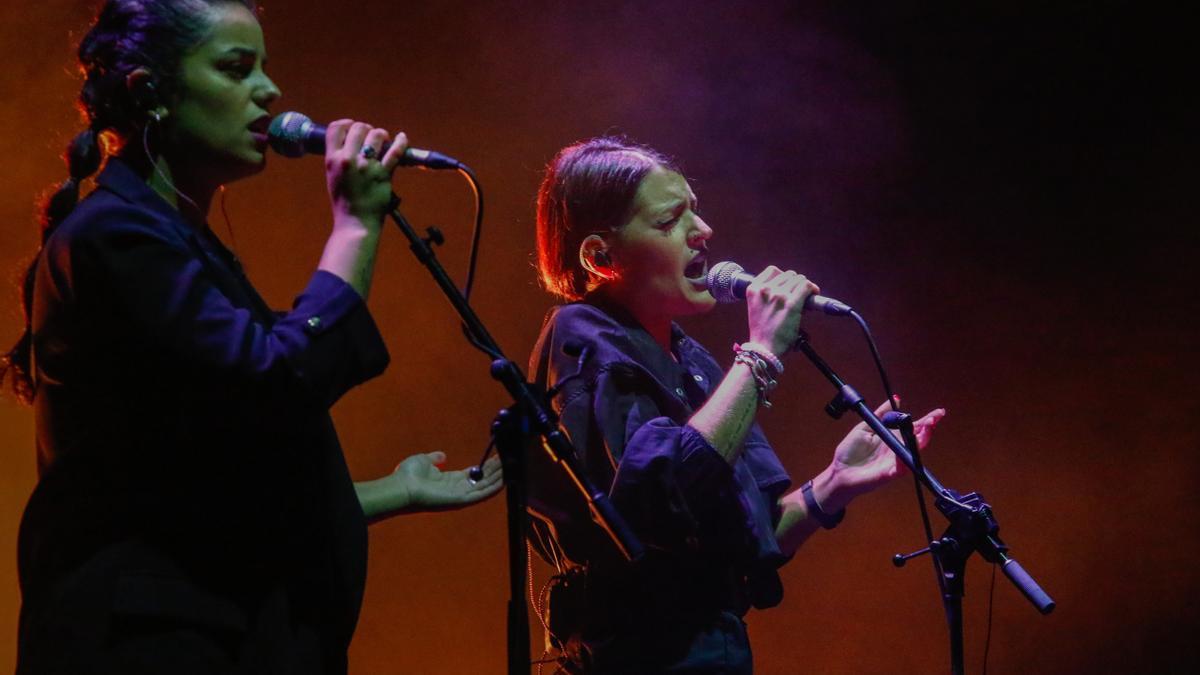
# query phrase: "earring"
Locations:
[[154, 115]]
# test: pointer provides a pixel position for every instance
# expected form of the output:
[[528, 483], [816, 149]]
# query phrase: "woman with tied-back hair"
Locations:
[[194, 512], [669, 433]]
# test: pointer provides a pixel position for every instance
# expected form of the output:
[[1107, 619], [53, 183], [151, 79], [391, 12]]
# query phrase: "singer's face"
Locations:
[[217, 124], [661, 254]]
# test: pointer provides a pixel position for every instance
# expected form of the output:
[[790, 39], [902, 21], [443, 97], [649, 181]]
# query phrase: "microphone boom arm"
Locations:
[[973, 526], [514, 429]]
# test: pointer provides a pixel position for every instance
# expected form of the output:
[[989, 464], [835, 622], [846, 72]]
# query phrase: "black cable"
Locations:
[[887, 385], [228, 223], [918, 466], [479, 345], [478, 230], [476, 235], [987, 641]]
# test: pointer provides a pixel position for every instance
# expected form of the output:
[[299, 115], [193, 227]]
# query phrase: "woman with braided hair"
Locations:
[[194, 512]]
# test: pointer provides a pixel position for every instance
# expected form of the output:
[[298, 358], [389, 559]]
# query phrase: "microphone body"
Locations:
[[727, 282], [294, 134]]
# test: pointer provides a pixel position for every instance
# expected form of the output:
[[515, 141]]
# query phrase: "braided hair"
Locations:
[[126, 35]]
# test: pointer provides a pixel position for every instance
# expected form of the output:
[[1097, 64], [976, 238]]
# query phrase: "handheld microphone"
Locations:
[[727, 282], [293, 134]]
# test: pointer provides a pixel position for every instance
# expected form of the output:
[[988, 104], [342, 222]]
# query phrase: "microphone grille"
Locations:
[[720, 280], [286, 133]]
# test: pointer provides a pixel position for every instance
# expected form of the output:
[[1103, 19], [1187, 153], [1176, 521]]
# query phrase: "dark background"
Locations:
[[1004, 190]]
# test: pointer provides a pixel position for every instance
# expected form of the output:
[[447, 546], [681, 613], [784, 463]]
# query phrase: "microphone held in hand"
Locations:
[[293, 134], [727, 282]]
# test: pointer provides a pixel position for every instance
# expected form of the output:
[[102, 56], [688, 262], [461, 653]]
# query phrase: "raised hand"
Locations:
[[862, 462], [358, 173], [358, 170], [774, 303]]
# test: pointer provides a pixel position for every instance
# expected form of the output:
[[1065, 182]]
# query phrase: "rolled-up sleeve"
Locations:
[[666, 472], [631, 428]]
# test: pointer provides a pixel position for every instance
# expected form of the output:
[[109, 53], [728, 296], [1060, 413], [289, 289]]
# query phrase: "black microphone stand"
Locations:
[[973, 527], [515, 431]]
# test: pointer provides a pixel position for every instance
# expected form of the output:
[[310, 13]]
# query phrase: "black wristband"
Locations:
[[827, 521]]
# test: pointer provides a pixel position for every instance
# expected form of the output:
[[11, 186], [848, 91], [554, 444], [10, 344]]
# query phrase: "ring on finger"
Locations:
[[369, 152]]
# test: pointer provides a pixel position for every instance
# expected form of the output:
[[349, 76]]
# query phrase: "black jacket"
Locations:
[[189, 469]]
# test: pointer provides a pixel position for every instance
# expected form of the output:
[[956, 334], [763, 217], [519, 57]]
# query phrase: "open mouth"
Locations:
[[258, 129], [260, 125], [697, 270]]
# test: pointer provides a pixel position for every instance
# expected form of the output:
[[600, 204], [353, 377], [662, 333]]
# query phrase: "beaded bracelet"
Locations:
[[762, 352], [764, 383]]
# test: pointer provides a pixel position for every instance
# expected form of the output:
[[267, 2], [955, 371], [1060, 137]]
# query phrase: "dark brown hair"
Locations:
[[126, 35], [589, 188]]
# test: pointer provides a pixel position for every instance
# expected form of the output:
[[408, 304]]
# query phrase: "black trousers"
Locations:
[[717, 645], [130, 611]]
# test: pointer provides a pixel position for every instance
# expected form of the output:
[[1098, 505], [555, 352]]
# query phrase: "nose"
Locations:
[[266, 93], [701, 232]]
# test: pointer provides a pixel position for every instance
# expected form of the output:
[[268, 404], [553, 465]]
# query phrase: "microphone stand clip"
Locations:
[[973, 526], [514, 431]]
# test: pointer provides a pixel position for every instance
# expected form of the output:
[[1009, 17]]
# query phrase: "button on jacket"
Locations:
[[189, 472], [624, 403]]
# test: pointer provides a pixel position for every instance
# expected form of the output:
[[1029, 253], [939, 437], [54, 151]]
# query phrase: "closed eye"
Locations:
[[669, 223]]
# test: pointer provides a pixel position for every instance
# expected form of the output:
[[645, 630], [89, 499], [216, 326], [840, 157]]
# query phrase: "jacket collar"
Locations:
[[119, 178], [639, 335]]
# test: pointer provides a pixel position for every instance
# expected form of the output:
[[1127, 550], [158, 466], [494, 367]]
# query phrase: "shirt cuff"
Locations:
[[701, 468], [344, 347]]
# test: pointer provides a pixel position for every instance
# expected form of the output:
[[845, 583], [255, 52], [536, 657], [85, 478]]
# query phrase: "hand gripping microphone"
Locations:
[[727, 282], [293, 134]]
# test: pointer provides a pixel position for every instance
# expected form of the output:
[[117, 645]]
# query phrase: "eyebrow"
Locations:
[[670, 207], [675, 204], [244, 52]]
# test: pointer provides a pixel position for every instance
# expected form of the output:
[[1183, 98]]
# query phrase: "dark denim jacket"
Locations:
[[626, 413]]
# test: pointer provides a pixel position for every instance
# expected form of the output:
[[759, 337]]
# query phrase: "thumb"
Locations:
[[879, 412], [437, 457]]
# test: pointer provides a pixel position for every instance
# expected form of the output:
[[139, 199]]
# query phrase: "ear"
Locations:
[[141, 87], [594, 257]]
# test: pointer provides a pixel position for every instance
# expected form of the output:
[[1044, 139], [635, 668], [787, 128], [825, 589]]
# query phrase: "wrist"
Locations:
[[381, 497], [822, 514], [773, 345], [355, 224], [829, 491], [763, 351], [761, 369], [392, 494]]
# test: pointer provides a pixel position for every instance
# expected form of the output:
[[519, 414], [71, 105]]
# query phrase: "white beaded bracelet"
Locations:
[[763, 353], [764, 383]]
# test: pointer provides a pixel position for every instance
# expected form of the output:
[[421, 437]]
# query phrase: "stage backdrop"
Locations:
[[1000, 191]]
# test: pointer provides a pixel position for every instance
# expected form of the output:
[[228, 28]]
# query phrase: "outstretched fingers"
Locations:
[[923, 428]]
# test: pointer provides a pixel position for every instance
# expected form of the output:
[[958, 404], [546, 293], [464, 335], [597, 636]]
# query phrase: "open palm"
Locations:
[[431, 489], [862, 462]]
